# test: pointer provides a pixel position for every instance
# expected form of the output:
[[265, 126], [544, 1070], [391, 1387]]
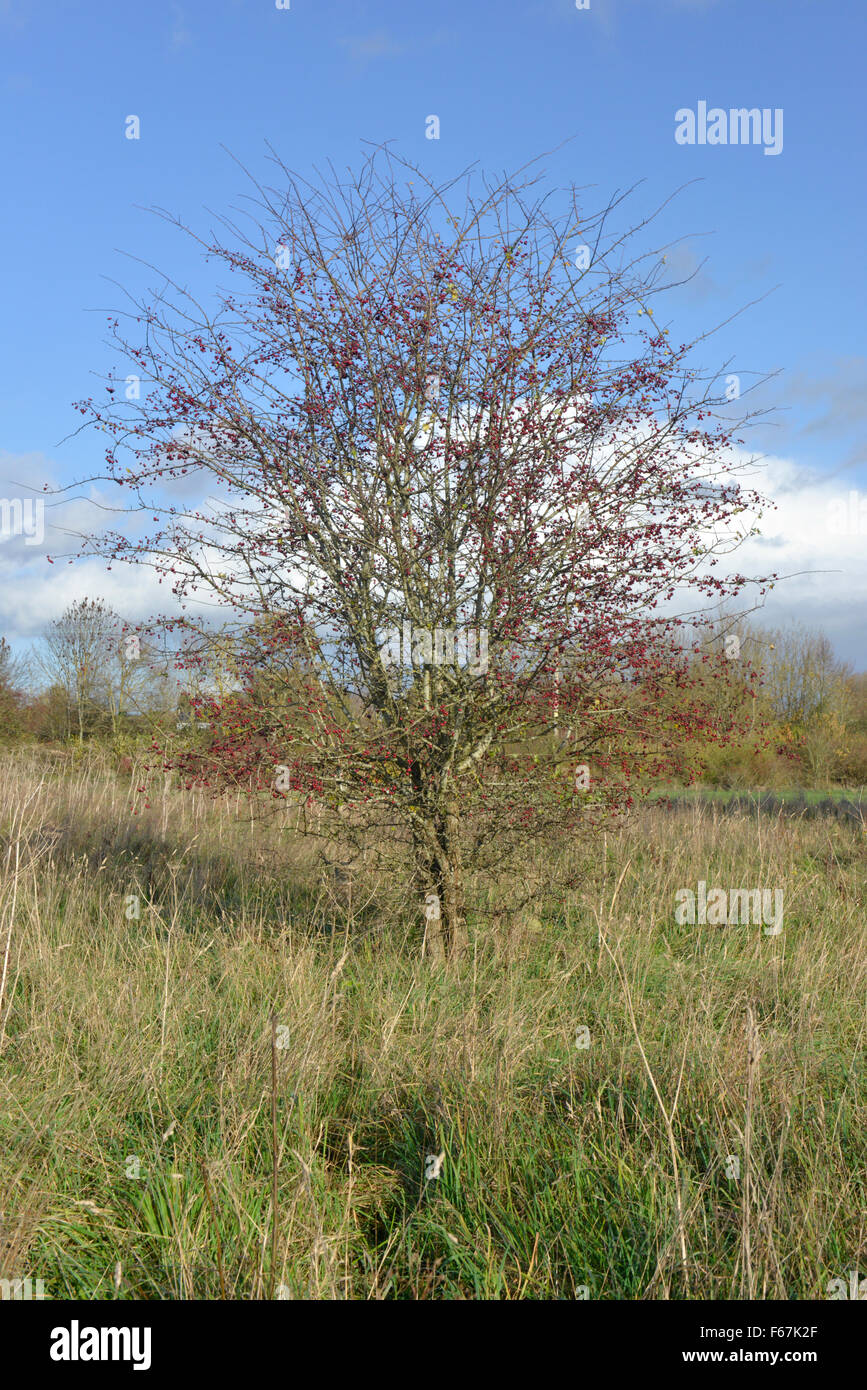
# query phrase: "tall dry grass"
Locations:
[[234, 1093]]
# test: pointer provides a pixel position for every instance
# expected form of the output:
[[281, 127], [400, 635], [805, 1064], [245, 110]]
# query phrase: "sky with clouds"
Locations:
[[772, 243]]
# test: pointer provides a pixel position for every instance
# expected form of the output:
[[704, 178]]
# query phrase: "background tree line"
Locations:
[[92, 678]]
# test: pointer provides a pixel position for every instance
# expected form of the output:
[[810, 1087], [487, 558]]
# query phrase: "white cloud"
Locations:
[[33, 591], [827, 586]]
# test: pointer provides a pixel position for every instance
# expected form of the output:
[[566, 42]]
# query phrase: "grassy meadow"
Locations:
[[217, 1081]]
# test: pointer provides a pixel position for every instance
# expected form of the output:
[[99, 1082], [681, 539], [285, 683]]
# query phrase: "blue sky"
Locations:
[[508, 82]]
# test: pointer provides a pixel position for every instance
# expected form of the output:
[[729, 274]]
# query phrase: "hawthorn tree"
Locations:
[[429, 415]]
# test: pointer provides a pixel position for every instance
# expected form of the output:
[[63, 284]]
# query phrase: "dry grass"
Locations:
[[163, 1136]]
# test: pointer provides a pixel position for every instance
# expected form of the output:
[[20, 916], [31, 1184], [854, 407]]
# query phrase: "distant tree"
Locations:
[[74, 656], [13, 701], [801, 675], [105, 668], [858, 688], [50, 717]]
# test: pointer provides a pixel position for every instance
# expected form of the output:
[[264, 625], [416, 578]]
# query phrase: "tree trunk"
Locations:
[[439, 872]]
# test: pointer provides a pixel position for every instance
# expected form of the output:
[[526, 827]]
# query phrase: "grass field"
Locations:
[[811, 796], [234, 1093]]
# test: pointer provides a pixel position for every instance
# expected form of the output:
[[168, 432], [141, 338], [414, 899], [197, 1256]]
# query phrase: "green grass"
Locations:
[[811, 795], [136, 1138]]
